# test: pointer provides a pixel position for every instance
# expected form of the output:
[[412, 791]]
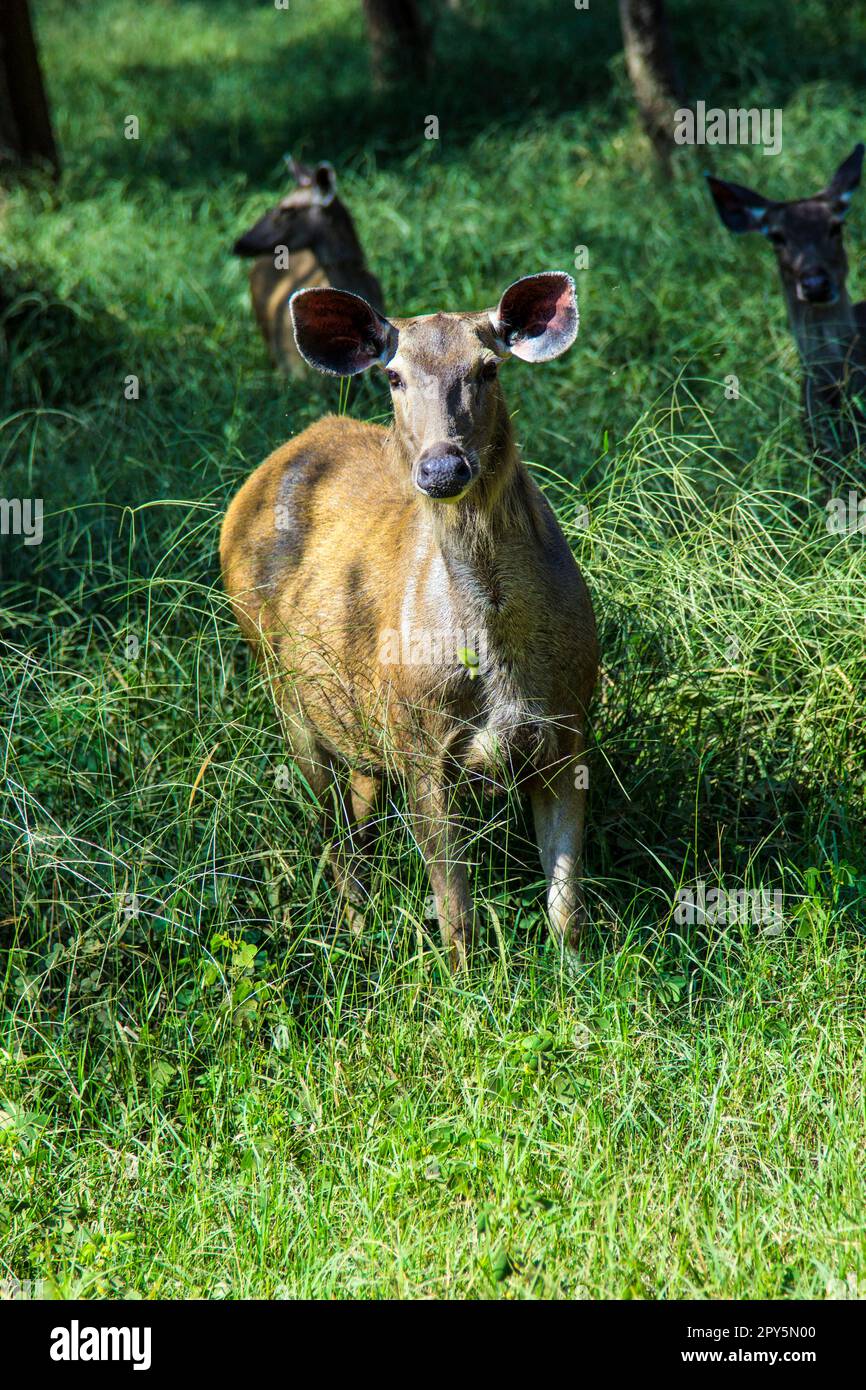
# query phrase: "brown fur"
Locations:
[[333, 560], [271, 290]]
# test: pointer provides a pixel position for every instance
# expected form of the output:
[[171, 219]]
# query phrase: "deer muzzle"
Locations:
[[816, 287], [445, 473]]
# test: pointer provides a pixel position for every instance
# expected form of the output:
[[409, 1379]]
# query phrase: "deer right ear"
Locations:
[[845, 181], [740, 208], [325, 183], [339, 333], [537, 318]]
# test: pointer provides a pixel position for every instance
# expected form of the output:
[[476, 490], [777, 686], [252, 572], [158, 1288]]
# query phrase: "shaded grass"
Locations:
[[208, 1085]]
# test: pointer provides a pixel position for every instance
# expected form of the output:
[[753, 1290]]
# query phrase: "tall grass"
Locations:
[[209, 1085]]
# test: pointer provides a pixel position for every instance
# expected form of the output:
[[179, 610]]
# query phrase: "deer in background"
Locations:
[[353, 534], [830, 331], [312, 231]]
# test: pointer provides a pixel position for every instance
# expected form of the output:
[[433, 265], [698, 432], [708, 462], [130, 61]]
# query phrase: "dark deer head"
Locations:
[[303, 219], [806, 233]]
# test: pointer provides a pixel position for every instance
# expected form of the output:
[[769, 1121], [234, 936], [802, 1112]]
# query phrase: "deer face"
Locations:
[[442, 368], [300, 220], [806, 234], [807, 239], [445, 392]]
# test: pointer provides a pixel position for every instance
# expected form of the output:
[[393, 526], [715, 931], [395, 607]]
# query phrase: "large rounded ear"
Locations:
[[846, 179], [339, 333], [740, 208], [325, 183], [537, 318]]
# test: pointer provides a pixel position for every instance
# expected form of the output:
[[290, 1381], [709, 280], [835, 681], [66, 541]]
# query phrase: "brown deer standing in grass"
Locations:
[[412, 595], [311, 230], [830, 331]]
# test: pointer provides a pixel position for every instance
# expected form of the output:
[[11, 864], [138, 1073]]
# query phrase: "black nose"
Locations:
[[817, 286], [443, 475]]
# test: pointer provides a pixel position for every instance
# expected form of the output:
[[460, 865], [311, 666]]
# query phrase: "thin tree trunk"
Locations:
[[25, 122], [652, 69], [399, 39]]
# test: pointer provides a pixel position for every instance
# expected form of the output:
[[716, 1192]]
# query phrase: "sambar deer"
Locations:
[[409, 588], [830, 331], [308, 239]]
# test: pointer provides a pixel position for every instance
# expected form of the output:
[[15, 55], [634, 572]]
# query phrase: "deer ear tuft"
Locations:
[[537, 317], [339, 333], [741, 209], [302, 175]]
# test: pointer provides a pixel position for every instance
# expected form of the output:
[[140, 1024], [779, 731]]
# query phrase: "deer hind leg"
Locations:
[[440, 838], [558, 807]]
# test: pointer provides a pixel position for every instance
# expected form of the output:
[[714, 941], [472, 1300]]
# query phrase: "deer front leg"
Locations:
[[558, 805], [439, 836], [347, 820], [351, 854]]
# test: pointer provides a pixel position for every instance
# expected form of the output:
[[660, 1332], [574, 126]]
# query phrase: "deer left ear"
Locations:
[[537, 317], [325, 183], [340, 333], [841, 188], [302, 175], [741, 209]]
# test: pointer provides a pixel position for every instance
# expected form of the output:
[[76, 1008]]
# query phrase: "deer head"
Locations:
[[806, 233], [443, 369], [301, 219]]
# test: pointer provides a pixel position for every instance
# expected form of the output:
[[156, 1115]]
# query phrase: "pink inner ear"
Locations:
[[336, 331], [538, 316]]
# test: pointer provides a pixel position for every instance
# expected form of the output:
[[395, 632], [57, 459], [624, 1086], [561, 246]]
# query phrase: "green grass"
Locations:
[[207, 1085]]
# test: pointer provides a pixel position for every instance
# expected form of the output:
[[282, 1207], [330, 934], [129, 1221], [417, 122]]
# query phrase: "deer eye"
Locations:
[[835, 228], [489, 371], [777, 238], [395, 380]]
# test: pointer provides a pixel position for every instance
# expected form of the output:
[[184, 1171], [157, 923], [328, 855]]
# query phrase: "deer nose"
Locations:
[[816, 285], [443, 472]]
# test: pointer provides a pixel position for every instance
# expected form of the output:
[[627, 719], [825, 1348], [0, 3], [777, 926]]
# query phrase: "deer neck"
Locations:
[[824, 333], [338, 248]]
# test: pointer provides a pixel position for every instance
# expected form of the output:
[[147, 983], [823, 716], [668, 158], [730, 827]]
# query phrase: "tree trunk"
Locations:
[[399, 40], [25, 123], [649, 59]]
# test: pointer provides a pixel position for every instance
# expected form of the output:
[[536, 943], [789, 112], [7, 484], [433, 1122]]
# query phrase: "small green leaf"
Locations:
[[500, 1264], [468, 658]]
